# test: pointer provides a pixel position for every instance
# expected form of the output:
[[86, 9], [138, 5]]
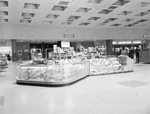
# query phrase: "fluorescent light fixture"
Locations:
[[136, 42], [128, 42], [122, 42], [114, 42]]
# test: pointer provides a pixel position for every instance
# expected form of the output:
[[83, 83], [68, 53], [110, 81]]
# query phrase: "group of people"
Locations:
[[132, 52], [6, 56]]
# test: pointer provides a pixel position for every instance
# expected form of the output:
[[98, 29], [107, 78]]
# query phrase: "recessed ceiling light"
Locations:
[[115, 25], [83, 10], [28, 14], [125, 13], [59, 8], [142, 14], [66, 23], [93, 18], [4, 20], [110, 19], [50, 22], [52, 16], [3, 3], [63, 3], [95, 1], [28, 18], [74, 17], [105, 11], [3, 13], [84, 23], [142, 20], [25, 21], [143, 4], [121, 2], [112, 7], [148, 11], [129, 25], [127, 20], [31, 6]]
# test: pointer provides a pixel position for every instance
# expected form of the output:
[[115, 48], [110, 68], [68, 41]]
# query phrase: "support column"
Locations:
[[14, 50], [43, 49], [59, 44], [109, 47]]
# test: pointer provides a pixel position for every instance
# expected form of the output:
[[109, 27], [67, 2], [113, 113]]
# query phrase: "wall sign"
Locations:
[[69, 35], [146, 35], [65, 44]]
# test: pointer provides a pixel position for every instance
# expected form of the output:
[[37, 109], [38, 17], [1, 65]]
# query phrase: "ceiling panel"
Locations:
[[77, 13]]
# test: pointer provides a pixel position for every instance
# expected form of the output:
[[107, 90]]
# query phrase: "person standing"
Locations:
[[137, 54], [131, 53]]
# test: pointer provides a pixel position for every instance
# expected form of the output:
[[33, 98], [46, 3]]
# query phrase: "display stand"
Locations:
[[64, 72], [127, 63], [53, 75]]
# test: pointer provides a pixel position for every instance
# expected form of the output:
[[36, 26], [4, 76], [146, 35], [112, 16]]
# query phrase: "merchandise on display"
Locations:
[[58, 72], [65, 71], [3, 62], [105, 65]]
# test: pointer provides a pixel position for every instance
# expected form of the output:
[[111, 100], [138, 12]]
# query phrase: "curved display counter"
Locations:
[[63, 74], [68, 71], [111, 65]]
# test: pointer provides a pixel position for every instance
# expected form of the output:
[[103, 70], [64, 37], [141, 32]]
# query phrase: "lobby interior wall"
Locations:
[[57, 33]]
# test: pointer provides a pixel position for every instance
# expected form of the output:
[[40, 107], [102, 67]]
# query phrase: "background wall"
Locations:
[[30, 32], [22, 47]]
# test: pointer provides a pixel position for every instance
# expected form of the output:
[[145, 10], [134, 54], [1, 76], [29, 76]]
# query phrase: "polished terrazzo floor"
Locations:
[[125, 93]]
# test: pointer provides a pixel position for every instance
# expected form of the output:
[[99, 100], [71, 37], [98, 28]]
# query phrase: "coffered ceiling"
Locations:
[[77, 13]]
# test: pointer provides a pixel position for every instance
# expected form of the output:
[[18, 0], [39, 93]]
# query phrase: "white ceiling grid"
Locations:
[[83, 13]]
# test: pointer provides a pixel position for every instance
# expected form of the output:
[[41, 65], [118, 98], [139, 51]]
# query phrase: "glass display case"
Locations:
[[109, 65], [53, 74], [58, 72], [126, 62]]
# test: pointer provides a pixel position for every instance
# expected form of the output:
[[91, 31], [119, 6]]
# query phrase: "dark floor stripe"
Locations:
[[2, 98]]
